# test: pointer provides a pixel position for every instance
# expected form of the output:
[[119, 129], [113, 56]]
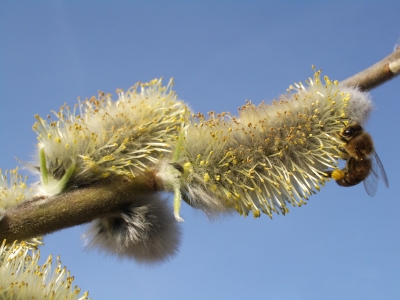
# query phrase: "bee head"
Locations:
[[351, 130]]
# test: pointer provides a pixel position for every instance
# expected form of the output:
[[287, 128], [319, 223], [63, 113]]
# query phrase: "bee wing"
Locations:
[[371, 183], [377, 164]]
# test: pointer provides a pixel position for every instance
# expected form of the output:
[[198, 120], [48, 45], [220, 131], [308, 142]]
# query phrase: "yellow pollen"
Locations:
[[206, 177], [338, 174], [187, 167]]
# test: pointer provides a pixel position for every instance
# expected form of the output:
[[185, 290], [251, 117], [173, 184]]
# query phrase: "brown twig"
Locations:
[[42, 215], [386, 69]]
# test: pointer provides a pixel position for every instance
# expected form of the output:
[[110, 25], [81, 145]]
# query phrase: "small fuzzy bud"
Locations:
[[144, 230]]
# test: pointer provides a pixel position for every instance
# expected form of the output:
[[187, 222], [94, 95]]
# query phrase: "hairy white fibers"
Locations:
[[145, 230]]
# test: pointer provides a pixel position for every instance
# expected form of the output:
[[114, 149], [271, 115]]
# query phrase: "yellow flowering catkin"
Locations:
[[13, 189], [269, 155], [21, 276], [123, 137]]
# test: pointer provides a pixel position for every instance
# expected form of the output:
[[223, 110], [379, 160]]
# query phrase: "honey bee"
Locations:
[[363, 164]]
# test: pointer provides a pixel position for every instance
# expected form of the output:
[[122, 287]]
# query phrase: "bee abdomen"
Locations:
[[348, 180], [356, 171]]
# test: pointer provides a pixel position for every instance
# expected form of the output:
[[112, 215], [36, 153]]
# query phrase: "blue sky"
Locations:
[[342, 245]]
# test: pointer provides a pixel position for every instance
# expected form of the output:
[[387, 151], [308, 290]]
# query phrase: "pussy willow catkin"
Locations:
[[22, 277], [102, 138], [13, 188], [269, 155]]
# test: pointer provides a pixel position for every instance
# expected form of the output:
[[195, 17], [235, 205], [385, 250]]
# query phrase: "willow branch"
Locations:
[[379, 73], [41, 215]]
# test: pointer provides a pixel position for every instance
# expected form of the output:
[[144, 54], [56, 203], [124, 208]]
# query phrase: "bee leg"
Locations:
[[343, 139], [336, 174], [343, 150]]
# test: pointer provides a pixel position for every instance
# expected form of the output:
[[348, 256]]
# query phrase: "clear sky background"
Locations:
[[342, 245]]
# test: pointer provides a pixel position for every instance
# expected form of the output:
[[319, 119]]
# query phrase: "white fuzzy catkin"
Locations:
[[21, 276], [269, 155], [144, 230]]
